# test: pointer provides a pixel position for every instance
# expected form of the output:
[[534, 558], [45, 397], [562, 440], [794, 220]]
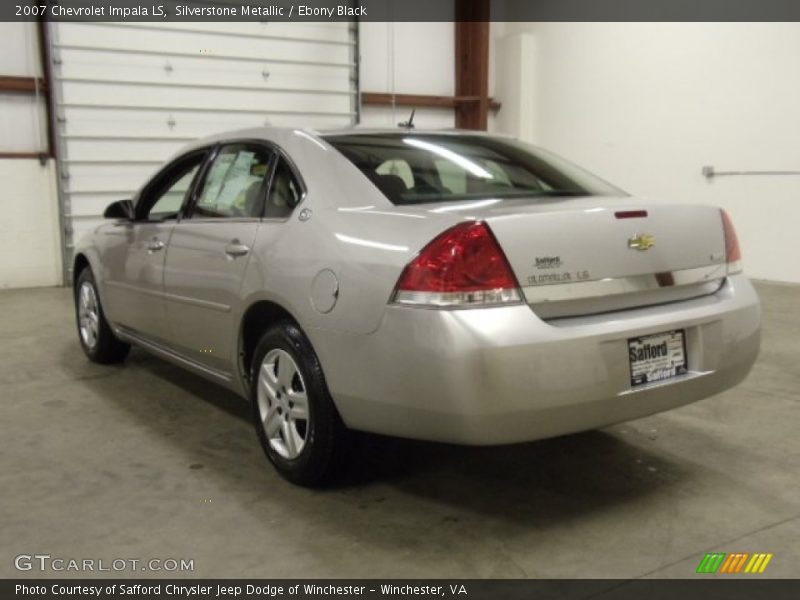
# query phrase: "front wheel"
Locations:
[[97, 340], [297, 423]]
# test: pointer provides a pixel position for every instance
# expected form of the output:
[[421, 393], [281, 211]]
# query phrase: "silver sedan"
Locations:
[[457, 287]]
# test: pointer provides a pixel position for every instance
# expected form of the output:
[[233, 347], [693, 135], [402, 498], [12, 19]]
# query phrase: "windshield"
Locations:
[[415, 168]]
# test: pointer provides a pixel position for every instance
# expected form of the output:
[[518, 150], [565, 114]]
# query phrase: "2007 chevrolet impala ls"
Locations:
[[456, 286]]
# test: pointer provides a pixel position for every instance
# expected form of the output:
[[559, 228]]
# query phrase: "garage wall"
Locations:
[[125, 93], [407, 58], [647, 105], [129, 95], [28, 202]]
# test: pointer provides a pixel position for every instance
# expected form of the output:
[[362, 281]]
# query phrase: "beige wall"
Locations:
[[647, 105], [30, 246], [407, 58]]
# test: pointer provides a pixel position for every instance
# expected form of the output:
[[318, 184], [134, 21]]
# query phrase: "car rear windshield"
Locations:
[[412, 168]]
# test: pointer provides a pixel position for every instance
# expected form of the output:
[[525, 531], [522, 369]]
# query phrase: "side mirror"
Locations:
[[121, 209]]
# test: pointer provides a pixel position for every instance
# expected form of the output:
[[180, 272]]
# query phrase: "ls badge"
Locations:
[[642, 242]]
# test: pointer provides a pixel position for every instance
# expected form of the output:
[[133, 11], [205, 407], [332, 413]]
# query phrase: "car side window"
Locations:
[[397, 168], [452, 177], [234, 184], [285, 192], [164, 196]]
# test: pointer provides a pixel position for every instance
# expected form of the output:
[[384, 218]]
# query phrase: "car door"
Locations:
[[134, 278], [208, 253]]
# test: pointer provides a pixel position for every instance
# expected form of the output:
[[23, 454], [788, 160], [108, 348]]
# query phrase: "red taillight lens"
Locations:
[[733, 254], [463, 266]]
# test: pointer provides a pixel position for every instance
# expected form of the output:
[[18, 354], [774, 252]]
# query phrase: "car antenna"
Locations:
[[410, 123]]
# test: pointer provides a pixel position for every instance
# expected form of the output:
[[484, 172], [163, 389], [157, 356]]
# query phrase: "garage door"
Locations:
[[128, 95]]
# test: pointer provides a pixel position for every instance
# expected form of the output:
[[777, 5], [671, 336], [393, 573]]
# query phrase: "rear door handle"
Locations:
[[155, 246], [235, 249]]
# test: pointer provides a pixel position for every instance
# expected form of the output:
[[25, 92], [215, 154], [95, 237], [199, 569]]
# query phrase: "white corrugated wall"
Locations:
[[129, 95]]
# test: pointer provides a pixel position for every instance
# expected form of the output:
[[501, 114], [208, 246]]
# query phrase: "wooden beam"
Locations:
[[413, 100], [493, 105], [472, 62], [421, 100], [21, 85], [47, 71]]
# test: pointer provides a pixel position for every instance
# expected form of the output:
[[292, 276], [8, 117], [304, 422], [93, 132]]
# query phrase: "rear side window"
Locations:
[[415, 168], [397, 168], [285, 192]]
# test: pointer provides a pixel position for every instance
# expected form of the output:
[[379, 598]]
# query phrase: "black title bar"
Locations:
[[397, 10], [705, 588]]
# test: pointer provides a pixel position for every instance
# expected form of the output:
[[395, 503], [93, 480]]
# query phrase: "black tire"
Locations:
[[106, 349], [326, 438]]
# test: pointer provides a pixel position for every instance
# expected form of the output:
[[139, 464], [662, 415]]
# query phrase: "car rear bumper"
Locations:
[[502, 375]]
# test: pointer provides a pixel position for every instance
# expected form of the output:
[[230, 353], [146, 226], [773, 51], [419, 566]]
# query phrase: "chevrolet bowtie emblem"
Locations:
[[642, 241]]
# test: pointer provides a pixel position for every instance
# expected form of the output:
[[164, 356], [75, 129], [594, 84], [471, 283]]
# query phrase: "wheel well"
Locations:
[[257, 319], [80, 263]]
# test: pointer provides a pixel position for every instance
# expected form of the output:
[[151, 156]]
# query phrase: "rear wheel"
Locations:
[[97, 340], [297, 423]]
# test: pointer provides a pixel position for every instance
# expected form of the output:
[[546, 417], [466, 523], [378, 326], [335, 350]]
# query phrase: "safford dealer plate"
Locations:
[[657, 357]]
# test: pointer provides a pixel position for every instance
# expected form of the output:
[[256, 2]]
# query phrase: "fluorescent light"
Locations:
[[462, 162]]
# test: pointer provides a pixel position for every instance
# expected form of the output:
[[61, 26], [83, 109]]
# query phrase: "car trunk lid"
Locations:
[[583, 257]]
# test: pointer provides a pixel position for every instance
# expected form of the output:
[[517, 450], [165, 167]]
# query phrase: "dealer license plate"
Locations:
[[657, 357]]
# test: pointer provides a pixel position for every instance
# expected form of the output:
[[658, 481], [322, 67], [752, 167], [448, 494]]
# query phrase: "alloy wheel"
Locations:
[[88, 315], [283, 403]]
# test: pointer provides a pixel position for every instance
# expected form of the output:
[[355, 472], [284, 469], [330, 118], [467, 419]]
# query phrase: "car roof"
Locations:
[[269, 132], [278, 134], [399, 130]]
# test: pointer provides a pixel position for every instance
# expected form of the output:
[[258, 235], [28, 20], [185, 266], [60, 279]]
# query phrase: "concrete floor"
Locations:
[[145, 460]]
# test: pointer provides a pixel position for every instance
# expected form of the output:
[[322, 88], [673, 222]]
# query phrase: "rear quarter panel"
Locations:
[[354, 231]]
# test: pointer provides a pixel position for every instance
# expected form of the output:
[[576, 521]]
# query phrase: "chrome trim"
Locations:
[[612, 286], [134, 338], [133, 288], [482, 298], [641, 242], [195, 302], [174, 297], [665, 382]]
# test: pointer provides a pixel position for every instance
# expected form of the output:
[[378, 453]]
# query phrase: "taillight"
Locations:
[[464, 266], [733, 255]]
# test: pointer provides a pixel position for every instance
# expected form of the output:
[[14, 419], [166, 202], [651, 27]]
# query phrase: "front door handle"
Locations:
[[155, 246], [235, 248]]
